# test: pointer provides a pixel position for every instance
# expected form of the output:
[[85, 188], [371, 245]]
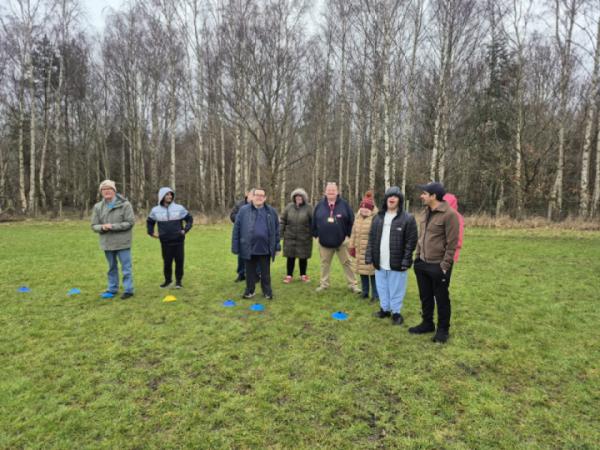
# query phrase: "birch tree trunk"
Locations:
[[316, 168], [223, 170], [238, 163], [154, 136], [564, 46], [32, 135], [283, 171], [519, 119], [386, 136], [596, 196], [21, 150], [374, 143], [342, 107], [584, 195], [42, 171], [172, 129]]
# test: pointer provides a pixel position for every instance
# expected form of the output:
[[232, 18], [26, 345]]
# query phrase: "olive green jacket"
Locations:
[[122, 219]]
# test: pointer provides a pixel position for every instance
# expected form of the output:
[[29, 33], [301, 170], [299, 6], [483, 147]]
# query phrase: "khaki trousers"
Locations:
[[344, 257]]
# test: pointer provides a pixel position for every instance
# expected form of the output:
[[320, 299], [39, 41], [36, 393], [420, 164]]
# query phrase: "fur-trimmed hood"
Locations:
[[299, 191]]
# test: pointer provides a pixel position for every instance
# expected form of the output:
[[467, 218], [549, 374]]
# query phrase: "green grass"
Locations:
[[521, 370]]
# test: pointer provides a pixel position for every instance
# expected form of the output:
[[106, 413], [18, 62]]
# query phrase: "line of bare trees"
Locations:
[[496, 98]]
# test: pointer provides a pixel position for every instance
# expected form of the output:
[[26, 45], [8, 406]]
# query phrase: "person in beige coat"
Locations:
[[358, 245]]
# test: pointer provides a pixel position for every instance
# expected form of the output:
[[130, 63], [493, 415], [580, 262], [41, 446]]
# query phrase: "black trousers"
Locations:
[[433, 288], [291, 262], [264, 262], [170, 253]]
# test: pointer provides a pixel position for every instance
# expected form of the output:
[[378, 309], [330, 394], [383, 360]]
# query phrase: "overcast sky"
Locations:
[[95, 11]]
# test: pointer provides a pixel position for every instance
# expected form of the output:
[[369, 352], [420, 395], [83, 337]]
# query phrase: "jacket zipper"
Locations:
[[425, 232]]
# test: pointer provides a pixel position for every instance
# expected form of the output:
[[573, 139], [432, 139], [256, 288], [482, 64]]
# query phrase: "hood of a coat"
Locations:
[[301, 192], [452, 201], [390, 192], [164, 191]]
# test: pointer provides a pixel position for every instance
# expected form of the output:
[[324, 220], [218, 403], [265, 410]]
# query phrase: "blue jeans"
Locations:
[[391, 287], [364, 280], [124, 256]]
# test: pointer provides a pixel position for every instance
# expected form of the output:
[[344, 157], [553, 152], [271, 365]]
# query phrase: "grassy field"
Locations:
[[521, 370]]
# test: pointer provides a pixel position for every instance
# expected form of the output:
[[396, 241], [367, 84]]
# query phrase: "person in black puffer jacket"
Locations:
[[392, 241]]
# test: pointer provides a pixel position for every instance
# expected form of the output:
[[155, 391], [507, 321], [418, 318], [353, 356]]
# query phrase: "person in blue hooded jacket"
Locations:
[[255, 239], [174, 221]]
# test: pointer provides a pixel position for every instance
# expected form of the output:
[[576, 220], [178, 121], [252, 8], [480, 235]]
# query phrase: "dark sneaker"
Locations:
[[422, 328], [166, 284], [269, 296], [240, 277], [381, 314], [397, 319], [178, 285], [248, 295], [364, 295], [441, 336], [126, 295]]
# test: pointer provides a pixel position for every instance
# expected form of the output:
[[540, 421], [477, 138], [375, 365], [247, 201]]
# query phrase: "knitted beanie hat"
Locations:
[[108, 184], [367, 201]]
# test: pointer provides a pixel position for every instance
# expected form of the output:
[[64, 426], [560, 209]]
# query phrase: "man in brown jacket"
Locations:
[[438, 237]]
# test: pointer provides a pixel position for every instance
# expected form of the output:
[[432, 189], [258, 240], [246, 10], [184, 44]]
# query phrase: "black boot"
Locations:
[[397, 319], [381, 314], [441, 335], [422, 328]]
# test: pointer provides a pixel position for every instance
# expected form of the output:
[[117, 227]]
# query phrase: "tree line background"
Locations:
[[498, 99]]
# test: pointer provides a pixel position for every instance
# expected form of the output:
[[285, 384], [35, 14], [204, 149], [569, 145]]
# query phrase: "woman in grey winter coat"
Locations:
[[296, 223]]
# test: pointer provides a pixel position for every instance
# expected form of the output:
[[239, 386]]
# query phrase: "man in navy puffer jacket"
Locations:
[[174, 221], [332, 226], [255, 239]]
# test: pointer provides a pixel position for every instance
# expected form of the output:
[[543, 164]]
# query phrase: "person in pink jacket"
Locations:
[[453, 202]]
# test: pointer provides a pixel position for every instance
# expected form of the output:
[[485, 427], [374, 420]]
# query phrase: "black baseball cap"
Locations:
[[434, 188]]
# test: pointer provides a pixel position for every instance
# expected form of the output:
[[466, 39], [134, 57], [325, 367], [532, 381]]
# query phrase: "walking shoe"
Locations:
[[321, 289], [288, 279], [381, 314], [422, 328], [248, 295], [240, 277], [269, 296], [166, 284], [441, 336], [397, 319], [178, 285], [364, 295], [355, 289], [304, 278], [126, 295]]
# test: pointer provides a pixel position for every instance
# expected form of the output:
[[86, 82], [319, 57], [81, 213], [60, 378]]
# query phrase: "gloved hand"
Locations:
[[352, 252], [403, 268]]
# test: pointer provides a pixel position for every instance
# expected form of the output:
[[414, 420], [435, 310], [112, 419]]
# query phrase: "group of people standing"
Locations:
[[378, 245]]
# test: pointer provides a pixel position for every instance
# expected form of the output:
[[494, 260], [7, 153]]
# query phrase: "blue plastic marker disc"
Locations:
[[229, 303], [24, 289], [107, 295], [74, 291], [339, 315], [257, 307]]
